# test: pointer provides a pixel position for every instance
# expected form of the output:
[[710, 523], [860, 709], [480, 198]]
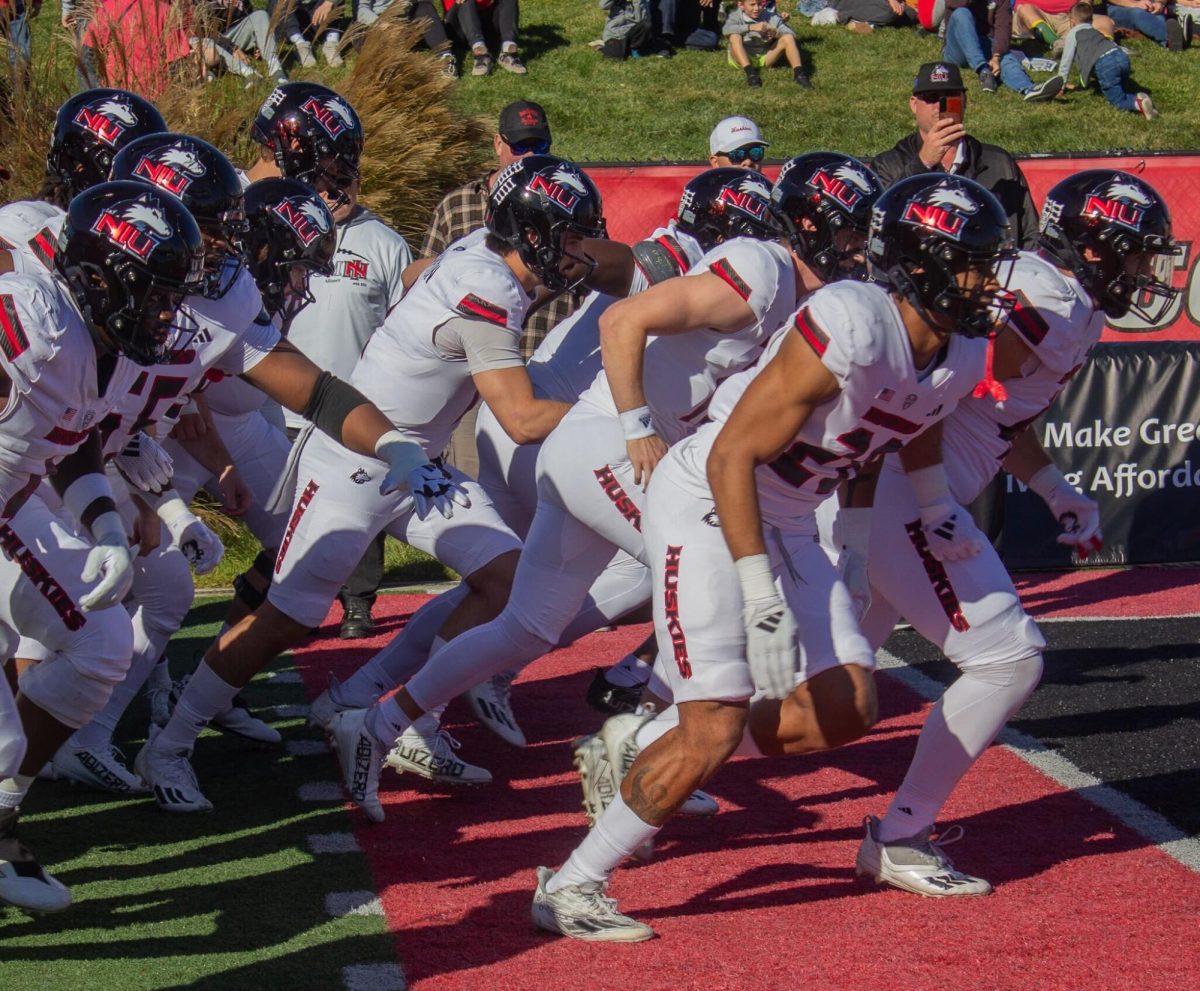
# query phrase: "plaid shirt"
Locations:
[[463, 210]]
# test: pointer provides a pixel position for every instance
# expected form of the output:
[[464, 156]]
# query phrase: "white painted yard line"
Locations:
[[374, 977], [289, 677], [1144, 821], [332, 843], [342, 903], [288, 711]]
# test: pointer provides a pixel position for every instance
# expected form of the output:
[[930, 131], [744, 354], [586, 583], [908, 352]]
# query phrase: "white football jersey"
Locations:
[[402, 370], [234, 335], [1057, 320], [882, 404], [29, 229], [58, 390], [568, 359], [680, 372], [352, 303]]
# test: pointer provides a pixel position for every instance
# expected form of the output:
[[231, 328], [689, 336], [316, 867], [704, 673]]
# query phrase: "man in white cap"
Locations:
[[737, 141]]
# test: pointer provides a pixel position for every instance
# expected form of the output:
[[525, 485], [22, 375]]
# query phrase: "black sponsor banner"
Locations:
[[1126, 432]]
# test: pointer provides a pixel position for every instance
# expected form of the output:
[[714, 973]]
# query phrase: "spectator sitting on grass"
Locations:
[[1104, 59], [758, 39], [467, 18], [241, 30], [977, 36], [864, 16], [1188, 12], [628, 26], [1050, 20], [1151, 18], [140, 45]]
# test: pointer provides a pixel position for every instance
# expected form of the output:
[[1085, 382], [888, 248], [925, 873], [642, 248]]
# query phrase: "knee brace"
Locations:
[[1012, 652], [71, 696], [244, 590]]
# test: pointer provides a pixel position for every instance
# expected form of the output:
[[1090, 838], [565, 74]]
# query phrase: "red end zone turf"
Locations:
[[764, 896]]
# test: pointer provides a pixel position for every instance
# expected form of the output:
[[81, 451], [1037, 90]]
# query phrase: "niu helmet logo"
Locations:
[[137, 227], [333, 115], [845, 184], [529, 117], [1122, 202], [304, 217], [749, 196], [944, 209], [173, 169], [564, 187], [107, 119]]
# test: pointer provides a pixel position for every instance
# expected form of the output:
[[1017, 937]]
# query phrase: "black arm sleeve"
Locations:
[[332, 400]]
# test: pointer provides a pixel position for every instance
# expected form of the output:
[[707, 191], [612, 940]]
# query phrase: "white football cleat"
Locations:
[[360, 757], [595, 775], [916, 863], [23, 881], [426, 750], [619, 736], [158, 692], [491, 701], [583, 911], [325, 706], [240, 721], [170, 777], [102, 768], [699, 803]]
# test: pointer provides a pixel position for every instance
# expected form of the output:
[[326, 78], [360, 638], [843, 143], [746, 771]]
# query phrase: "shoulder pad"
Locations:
[[856, 316], [33, 328], [660, 259]]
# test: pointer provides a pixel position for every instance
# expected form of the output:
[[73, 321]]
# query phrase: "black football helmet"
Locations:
[[308, 127], [833, 193], [289, 227], [534, 202], [131, 252], [209, 186], [1125, 223], [724, 203], [926, 231], [89, 130]]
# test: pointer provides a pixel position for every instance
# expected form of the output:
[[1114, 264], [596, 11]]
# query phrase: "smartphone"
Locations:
[[951, 106]]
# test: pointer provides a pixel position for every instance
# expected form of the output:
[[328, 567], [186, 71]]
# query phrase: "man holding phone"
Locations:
[[941, 144]]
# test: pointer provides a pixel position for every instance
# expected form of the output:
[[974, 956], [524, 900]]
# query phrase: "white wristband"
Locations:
[[171, 507], [930, 485], [401, 454], [109, 528], [637, 423], [1046, 479], [756, 578], [84, 491]]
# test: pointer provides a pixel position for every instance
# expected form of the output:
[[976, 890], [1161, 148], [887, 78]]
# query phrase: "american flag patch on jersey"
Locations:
[[817, 339], [13, 340], [476, 306], [723, 270]]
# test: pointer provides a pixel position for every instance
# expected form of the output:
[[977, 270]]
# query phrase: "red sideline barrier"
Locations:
[[638, 198]]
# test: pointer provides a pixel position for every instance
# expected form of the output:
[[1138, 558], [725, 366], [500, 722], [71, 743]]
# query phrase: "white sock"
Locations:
[[333, 37], [617, 833], [297, 39], [206, 695], [959, 728], [386, 721], [405, 655], [629, 672], [13, 789]]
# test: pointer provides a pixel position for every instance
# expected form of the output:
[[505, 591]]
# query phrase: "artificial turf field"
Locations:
[[1085, 817]]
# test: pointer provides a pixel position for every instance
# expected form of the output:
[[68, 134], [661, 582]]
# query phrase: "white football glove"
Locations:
[[949, 530], [1077, 514], [202, 548], [771, 649], [144, 464], [433, 487], [109, 563]]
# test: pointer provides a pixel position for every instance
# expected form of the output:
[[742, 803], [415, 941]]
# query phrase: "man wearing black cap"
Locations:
[[941, 144]]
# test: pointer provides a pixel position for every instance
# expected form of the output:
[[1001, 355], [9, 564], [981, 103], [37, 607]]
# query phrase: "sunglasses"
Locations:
[[755, 153], [531, 147], [935, 97]]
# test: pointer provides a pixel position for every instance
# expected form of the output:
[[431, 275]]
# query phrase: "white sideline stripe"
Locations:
[[332, 843], [374, 977], [321, 791], [1112, 619], [341, 903], [289, 711], [1144, 821], [290, 677], [306, 748]]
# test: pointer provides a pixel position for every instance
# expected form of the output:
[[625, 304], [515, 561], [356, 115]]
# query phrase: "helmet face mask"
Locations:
[[130, 254], [534, 206], [723, 203], [1113, 230], [943, 243], [823, 201], [312, 132]]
